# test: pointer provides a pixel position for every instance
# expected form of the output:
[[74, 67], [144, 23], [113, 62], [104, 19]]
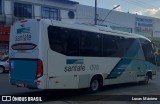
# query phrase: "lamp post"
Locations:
[[109, 13], [95, 19]]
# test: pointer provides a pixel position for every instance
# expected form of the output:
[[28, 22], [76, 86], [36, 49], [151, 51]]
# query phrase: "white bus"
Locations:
[[48, 54]]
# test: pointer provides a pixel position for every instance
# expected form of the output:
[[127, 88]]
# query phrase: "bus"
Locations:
[[49, 54]]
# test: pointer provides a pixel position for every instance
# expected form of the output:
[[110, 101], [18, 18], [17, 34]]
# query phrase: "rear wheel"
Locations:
[[94, 85], [146, 80], [1, 69]]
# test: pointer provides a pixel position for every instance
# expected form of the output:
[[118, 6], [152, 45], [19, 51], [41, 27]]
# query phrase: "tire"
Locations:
[[94, 85], [146, 80], [1, 69]]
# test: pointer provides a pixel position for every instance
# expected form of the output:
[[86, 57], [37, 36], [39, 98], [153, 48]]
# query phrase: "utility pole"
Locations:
[[95, 19]]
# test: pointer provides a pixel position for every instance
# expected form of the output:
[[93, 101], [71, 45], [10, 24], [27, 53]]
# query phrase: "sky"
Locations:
[[141, 7]]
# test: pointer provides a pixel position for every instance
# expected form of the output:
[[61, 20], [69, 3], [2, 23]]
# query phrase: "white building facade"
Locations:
[[147, 26], [70, 11], [13, 10]]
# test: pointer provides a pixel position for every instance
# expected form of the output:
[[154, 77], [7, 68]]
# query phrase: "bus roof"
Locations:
[[88, 27]]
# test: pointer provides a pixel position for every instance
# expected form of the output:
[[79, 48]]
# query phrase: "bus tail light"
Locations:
[[22, 21], [39, 69], [38, 83]]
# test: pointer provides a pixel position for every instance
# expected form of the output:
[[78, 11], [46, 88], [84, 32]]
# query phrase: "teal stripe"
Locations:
[[119, 68], [74, 61]]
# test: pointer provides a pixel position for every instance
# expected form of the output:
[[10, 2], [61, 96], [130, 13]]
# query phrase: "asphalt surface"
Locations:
[[108, 95]]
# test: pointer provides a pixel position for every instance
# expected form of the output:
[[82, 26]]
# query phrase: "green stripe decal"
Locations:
[[119, 68], [74, 61]]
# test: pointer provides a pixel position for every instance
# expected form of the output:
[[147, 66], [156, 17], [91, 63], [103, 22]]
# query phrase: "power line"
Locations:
[[146, 3], [136, 3], [116, 24], [140, 3]]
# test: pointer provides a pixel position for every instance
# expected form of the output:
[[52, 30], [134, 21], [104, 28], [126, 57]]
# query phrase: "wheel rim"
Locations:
[[94, 85], [1, 70]]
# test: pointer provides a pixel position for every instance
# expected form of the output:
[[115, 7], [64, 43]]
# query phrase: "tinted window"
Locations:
[[91, 44], [116, 46], [63, 40], [128, 47], [73, 42], [57, 39], [67, 41], [133, 48], [110, 47]]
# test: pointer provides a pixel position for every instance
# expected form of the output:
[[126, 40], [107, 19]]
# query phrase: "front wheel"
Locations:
[[146, 80], [1, 69], [94, 85]]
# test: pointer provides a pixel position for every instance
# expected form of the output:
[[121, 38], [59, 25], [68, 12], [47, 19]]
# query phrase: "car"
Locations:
[[4, 64]]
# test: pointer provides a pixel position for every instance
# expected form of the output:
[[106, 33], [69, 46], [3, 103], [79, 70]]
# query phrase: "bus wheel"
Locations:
[[1, 69], [146, 80], [94, 85]]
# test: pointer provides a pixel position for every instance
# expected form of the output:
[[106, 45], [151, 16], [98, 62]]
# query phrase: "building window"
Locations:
[[22, 10], [0, 6], [50, 13]]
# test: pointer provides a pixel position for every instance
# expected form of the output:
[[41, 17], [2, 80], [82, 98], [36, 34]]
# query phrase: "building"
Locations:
[[14, 10], [147, 26], [70, 11], [127, 22]]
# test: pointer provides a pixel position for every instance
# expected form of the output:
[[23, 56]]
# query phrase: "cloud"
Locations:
[[154, 12]]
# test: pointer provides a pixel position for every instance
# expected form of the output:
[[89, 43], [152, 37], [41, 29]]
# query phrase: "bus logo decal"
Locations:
[[74, 65], [23, 30], [74, 61], [23, 34]]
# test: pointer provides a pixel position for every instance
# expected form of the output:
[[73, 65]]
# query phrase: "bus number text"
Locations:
[[94, 67]]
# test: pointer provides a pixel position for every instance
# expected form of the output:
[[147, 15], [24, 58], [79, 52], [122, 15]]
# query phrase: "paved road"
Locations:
[[83, 97], [7, 89]]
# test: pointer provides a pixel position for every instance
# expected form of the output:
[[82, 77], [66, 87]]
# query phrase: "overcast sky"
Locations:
[[141, 7]]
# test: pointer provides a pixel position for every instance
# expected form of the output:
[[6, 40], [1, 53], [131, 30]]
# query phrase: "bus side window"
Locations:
[[91, 44], [110, 47], [73, 43], [57, 39], [129, 47]]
